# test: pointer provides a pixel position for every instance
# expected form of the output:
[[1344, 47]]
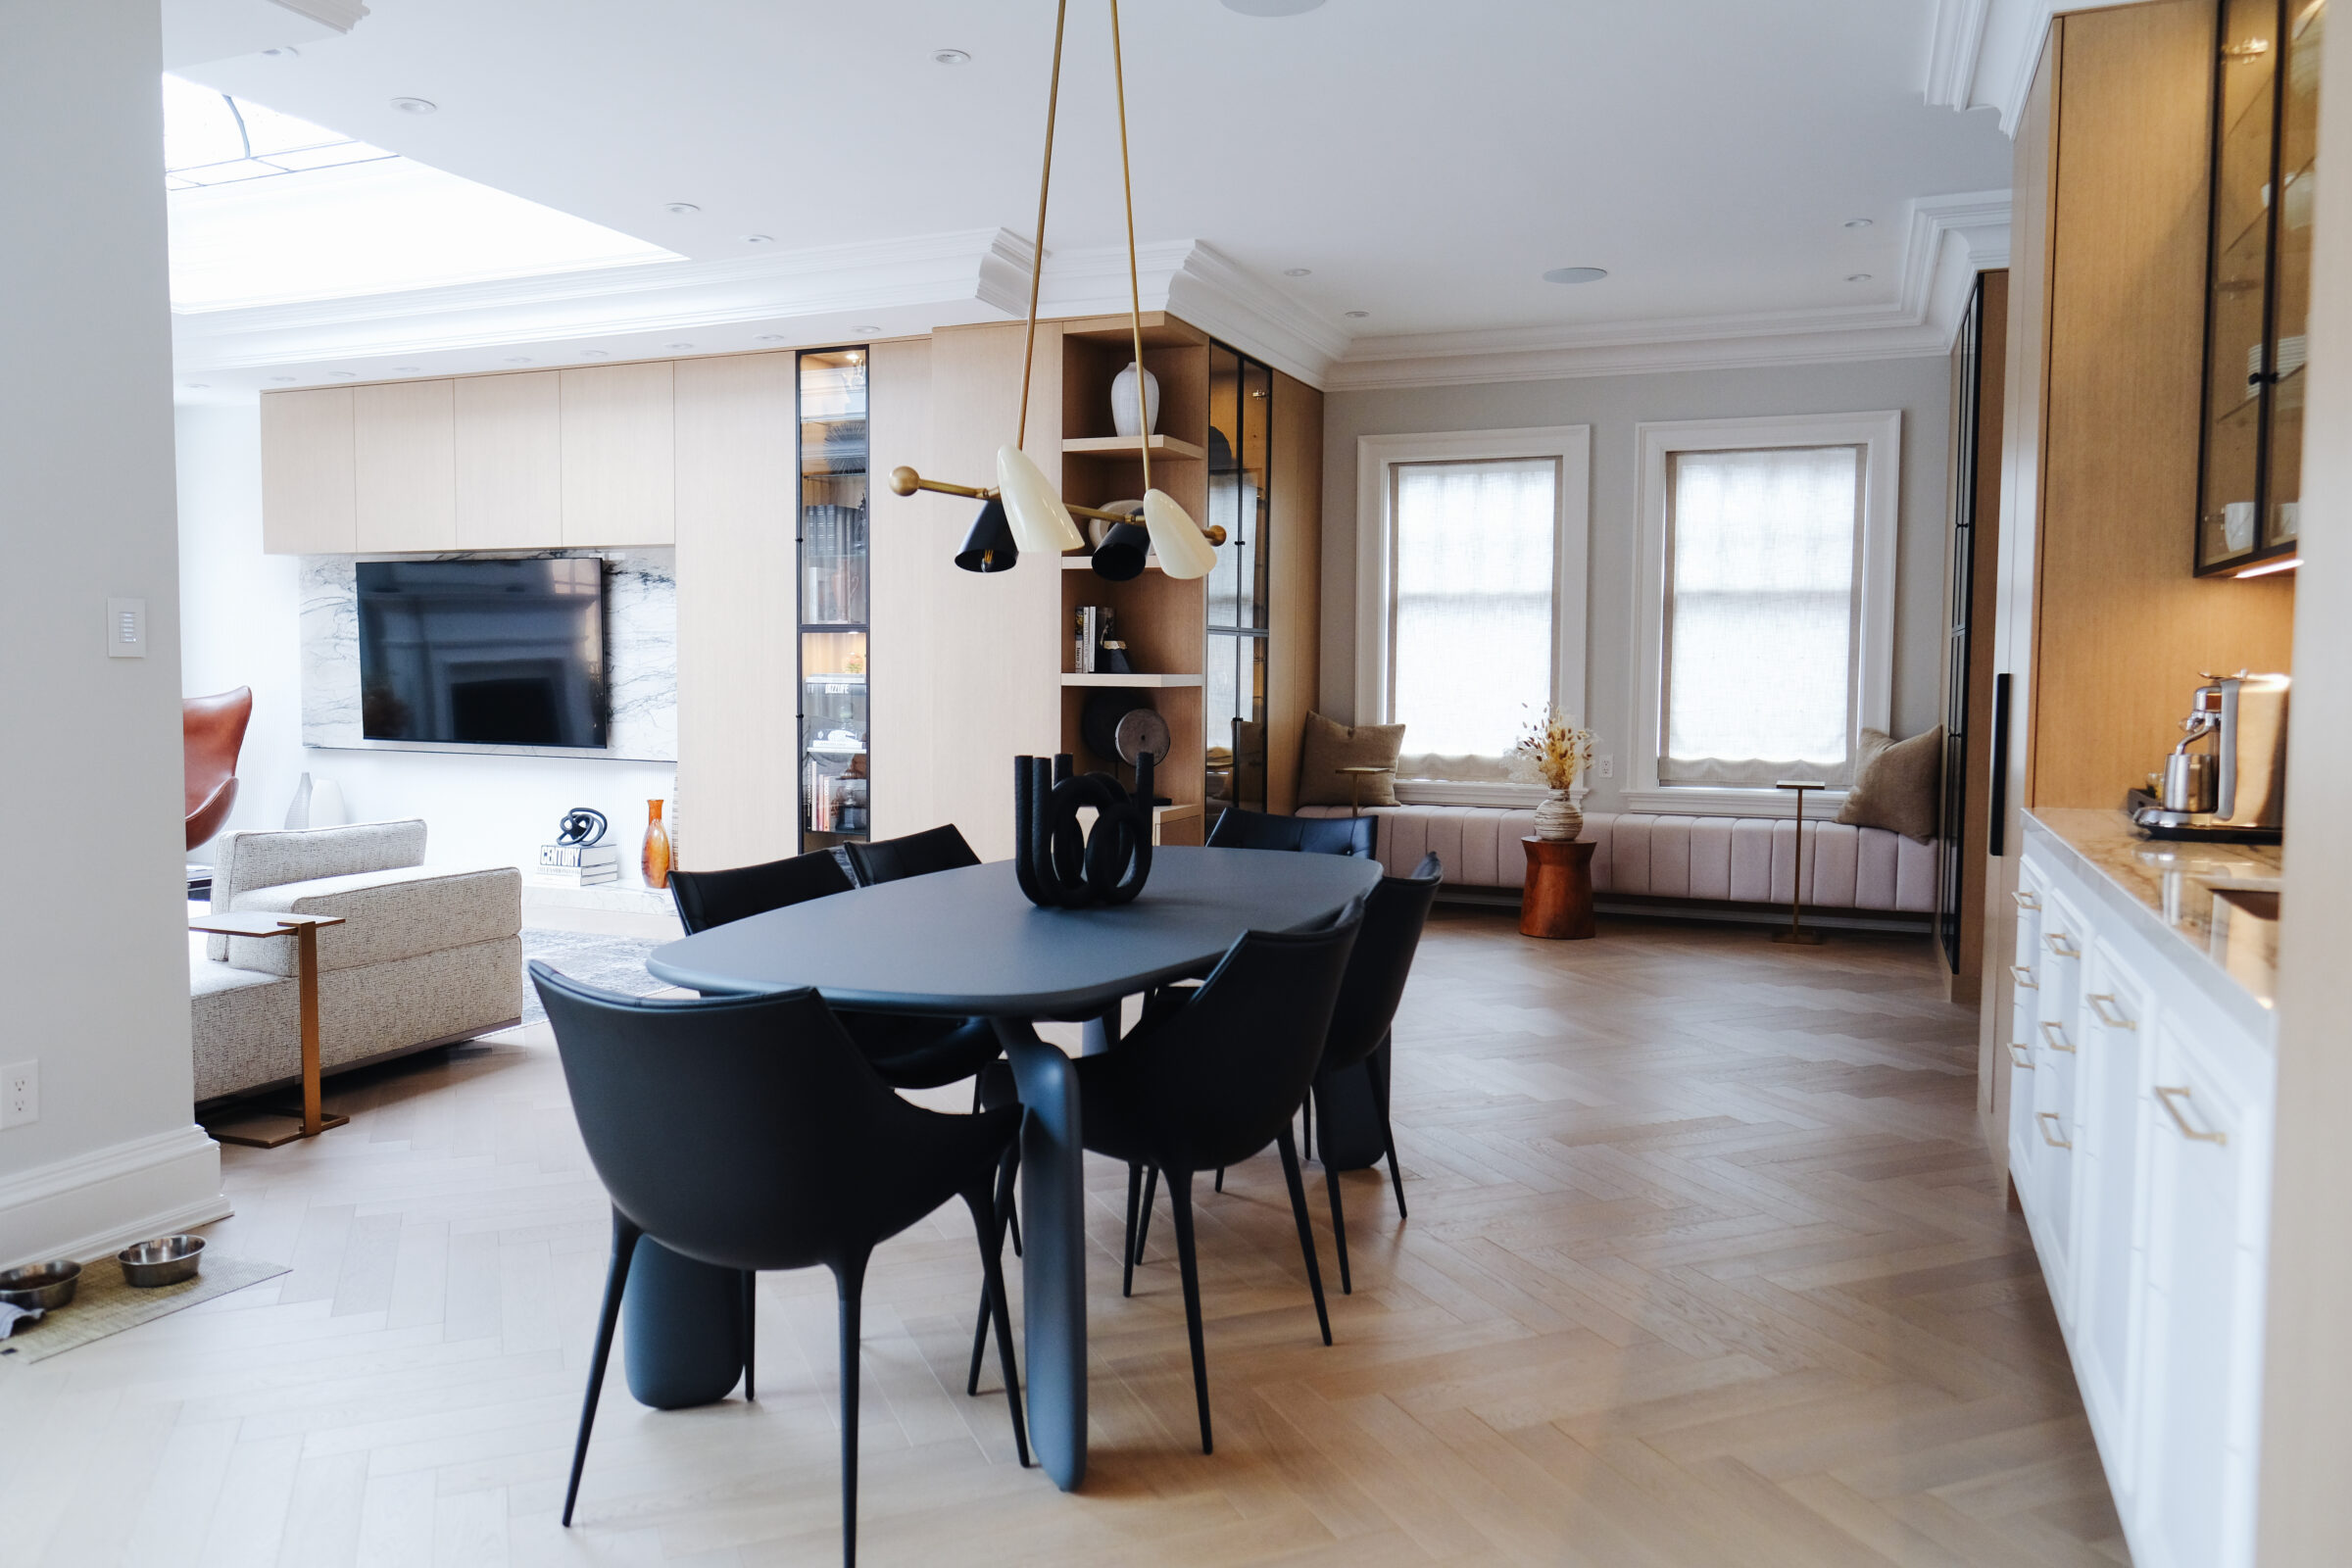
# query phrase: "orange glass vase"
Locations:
[[657, 848]]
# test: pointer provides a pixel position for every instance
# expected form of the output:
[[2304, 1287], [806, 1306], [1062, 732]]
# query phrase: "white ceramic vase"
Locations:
[[1557, 818], [1125, 418]]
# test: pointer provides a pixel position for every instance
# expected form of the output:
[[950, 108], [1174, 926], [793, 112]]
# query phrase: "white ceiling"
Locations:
[[1427, 162]]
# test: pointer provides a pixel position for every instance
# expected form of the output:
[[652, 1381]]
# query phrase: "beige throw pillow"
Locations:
[[1898, 784], [1331, 746]]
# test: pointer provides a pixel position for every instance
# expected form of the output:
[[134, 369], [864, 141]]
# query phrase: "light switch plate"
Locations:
[[126, 628]]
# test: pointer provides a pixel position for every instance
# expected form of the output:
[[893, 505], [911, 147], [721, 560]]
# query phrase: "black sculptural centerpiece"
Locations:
[[1059, 866], [581, 825]]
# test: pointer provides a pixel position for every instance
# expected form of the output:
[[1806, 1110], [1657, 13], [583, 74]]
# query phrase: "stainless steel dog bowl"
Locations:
[[47, 1285], [166, 1260]]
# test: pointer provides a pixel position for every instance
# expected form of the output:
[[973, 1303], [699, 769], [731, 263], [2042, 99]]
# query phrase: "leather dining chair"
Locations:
[[212, 732], [937, 849], [1237, 829], [726, 1149], [1210, 1076], [1355, 1050], [909, 1052]]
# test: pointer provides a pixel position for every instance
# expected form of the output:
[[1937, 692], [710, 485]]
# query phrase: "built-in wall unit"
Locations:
[[2128, 1025], [834, 728]]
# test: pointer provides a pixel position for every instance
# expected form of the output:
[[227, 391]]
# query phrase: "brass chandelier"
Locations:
[[1022, 512]]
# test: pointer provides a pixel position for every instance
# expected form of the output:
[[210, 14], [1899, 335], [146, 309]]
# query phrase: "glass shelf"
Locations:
[[835, 721]]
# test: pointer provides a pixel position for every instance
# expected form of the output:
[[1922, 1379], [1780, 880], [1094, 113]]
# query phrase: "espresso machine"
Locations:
[[2227, 778]]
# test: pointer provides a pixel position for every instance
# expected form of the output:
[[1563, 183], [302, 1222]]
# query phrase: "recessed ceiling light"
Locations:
[[768, 337], [1357, 316], [680, 209], [1297, 272], [406, 370], [200, 387], [1272, 8], [949, 57], [341, 375], [759, 240], [1857, 223], [281, 379], [415, 106], [677, 346], [594, 353], [283, 51], [1857, 277], [520, 359], [866, 328], [1575, 274]]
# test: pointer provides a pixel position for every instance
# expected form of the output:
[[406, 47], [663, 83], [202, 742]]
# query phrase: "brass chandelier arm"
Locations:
[[1135, 290], [906, 481], [1037, 254]]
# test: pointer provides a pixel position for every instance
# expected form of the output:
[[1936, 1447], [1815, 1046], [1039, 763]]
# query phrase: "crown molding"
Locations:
[[1194, 280], [1954, 48], [340, 14], [1947, 240], [1981, 54]]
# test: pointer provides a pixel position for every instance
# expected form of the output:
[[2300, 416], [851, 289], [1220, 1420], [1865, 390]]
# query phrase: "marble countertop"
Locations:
[[2217, 901]]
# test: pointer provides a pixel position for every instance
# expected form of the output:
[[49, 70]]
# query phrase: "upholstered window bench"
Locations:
[[1655, 864]]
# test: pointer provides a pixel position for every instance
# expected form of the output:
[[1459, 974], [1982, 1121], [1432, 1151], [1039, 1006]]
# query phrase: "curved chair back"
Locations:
[[1237, 829], [746, 1131], [1223, 1073], [937, 849], [1394, 913], [212, 732], [705, 899]]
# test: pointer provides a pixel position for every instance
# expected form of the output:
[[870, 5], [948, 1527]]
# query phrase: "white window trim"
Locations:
[[1571, 445], [1880, 435]]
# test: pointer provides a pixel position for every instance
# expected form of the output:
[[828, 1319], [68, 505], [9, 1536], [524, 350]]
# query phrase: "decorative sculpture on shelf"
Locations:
[[581, 825], [1062, 868]]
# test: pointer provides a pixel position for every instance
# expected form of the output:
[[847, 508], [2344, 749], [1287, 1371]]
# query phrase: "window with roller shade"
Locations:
[[1471, 612]]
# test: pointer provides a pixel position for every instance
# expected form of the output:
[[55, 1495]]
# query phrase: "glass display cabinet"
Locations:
[[1240, 398], [2258, 283], [834, 722]]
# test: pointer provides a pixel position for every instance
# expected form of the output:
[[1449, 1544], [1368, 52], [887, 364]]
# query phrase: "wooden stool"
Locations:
[[1557, 900]]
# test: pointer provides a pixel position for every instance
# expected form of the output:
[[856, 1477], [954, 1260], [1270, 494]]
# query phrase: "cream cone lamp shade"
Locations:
[[1041, 524], [1182, 550]]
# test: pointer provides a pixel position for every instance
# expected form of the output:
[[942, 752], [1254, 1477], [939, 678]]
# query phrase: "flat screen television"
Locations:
[[483, 652]]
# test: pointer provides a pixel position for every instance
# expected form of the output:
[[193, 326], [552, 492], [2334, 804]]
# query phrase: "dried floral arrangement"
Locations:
[[1552, 752]]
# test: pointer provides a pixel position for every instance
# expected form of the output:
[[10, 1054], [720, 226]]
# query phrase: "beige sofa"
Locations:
[[426, 955]]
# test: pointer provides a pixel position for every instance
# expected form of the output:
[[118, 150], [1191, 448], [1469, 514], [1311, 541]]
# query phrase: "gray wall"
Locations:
[[1613, 405]]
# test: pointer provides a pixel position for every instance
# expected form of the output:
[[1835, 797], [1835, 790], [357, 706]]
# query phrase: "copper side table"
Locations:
[[1356, 785], [1797, 935], [311, 1118], [1557, 900]]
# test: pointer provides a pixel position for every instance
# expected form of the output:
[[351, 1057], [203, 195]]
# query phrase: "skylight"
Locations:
[[269, 209]]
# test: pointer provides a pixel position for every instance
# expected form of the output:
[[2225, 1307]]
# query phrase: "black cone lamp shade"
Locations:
[[1120, 555], [989, 547]]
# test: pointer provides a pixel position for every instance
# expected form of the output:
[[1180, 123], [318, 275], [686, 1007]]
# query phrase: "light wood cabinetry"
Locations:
[[404, 467], [508, 461], [2149, 1206], [620, 454], [309, 489]]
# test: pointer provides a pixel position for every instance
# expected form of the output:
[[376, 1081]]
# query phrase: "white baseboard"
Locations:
[[98, 1202]]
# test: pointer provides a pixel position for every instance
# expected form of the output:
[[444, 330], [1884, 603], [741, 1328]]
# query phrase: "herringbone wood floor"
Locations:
[[1705, 1266]]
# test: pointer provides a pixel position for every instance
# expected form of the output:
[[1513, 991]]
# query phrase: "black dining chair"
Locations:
[[1212, 1076], [1352, 1086], [1237, 829], [909, 1052], [936, 849], [748, 1133]]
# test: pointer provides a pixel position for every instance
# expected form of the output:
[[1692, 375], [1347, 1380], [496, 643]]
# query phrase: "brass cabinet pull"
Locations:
[[2053, 1034], [2044, 1122], [2022, 1055], [2023, 974], [2063, 945], [2103, 1003], [2164, 1097], [2025, 901]]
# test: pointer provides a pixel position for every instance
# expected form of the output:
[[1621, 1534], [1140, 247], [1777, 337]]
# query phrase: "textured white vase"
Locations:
[[298, 814], [1124, 416], [1557, 818], [327, 805]]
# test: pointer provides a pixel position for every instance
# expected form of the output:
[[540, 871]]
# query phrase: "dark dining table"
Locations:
[[969, 943]]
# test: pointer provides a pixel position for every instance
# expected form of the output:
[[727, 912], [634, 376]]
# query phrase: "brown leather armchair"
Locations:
[[212, 734]]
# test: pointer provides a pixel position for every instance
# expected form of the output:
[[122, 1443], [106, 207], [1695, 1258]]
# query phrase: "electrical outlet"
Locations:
[[1609, 768], [19, 1094]]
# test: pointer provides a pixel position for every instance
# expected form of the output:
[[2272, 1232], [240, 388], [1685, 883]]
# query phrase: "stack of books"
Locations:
[[579, 866]]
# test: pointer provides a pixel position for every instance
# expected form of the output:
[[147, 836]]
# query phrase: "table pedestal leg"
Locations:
[[1054, 1258]]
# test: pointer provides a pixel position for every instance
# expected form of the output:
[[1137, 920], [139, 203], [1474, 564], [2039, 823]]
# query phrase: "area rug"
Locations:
[[104, 1305], [612, 963]]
